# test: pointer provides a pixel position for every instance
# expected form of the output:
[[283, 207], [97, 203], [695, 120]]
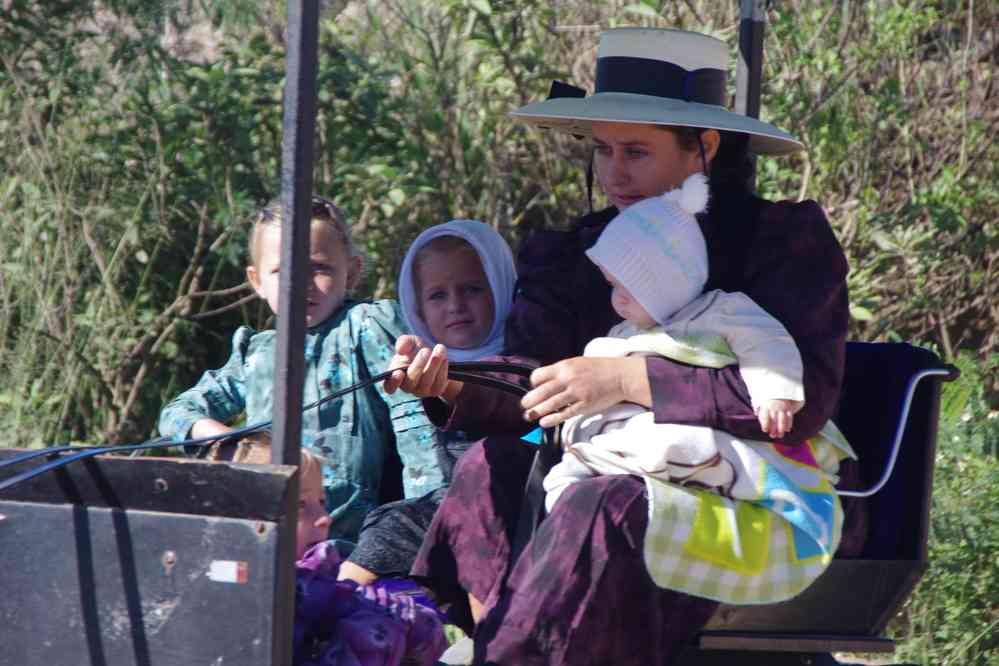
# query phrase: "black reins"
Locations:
[[475, 372], [549, 450]]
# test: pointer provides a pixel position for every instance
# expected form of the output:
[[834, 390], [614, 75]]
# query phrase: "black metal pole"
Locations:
[[749, 72], [296, 195]]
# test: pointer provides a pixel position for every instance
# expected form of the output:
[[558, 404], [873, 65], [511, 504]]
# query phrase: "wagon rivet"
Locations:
[[169, 559]]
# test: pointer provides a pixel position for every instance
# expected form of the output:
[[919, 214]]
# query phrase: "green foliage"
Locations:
[[896, 102], [112, 200]]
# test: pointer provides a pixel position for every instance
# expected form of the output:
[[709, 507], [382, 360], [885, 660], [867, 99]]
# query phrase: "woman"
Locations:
[[580, 593]]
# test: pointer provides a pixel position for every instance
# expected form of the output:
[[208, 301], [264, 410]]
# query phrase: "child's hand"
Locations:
[[208, 428], [422, 371], [777, 416]]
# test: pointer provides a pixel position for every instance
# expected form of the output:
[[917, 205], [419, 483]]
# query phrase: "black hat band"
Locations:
[[644, 76]]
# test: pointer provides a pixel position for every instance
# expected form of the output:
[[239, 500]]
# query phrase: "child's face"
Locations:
[[625, 304], [456, 302], [331, 272], [313, 519]]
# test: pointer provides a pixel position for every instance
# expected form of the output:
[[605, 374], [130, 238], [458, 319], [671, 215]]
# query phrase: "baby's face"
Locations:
[[313, 519], [456, 302], [625, 304], [331, 272]]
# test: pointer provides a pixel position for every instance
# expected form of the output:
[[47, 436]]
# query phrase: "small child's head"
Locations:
[[456, 288], [335, 263], [313, 518], [654, 256]]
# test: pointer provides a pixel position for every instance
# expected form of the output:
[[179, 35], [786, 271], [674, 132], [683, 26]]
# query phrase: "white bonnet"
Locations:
[[655, 248], [497, 262]]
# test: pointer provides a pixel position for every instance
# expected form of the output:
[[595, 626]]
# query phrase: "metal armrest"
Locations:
[[950, 373]]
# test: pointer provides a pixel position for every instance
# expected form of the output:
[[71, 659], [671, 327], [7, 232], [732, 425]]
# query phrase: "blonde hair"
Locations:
[[438, 245], [255, 449], [324, 212]]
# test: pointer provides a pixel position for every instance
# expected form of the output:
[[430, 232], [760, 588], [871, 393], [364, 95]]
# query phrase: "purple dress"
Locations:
[[340, 623], [579, 594]]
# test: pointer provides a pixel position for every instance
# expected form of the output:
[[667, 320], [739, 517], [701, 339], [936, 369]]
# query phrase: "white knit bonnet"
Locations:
[[498, 265], [656, 249]]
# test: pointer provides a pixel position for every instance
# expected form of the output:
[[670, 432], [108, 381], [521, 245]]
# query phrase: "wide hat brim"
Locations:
[[575, 116]]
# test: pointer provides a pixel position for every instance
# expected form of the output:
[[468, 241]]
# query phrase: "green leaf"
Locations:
[[481, 6], [860, 313], [397, 196], [641, 10]]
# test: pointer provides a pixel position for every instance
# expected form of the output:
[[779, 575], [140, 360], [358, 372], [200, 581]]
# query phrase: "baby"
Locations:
[[654, 257]]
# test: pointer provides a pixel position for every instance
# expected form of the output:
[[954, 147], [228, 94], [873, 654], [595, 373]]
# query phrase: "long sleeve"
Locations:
[[561, 303], [414, 434], [791, 265], [219, 394], [768, 360]]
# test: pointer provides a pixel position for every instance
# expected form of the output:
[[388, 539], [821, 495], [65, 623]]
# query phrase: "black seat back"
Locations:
[[855, 598], [877, 377]]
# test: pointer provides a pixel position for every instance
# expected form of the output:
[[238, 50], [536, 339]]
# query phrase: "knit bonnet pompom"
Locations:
[[692, 196]]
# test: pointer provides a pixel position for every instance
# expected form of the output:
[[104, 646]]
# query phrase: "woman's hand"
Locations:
[[421, 371], [583, 386]]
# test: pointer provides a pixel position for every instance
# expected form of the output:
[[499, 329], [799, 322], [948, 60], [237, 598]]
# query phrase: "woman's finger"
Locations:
[[429, 384], [545, 374], [557, 416], [534, 399], [415, 371], [408, 345], [553, 405], [440, 363]]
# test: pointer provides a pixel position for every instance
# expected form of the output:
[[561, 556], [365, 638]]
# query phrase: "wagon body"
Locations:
[[143, 561]]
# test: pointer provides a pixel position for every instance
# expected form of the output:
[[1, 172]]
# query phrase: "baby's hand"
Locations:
[[777, 416]]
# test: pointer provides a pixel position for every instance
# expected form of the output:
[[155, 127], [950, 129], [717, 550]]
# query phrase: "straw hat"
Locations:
[[661, 77]]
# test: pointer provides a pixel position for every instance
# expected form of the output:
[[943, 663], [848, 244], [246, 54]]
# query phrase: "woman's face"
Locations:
[[456, 301], [636, 161]]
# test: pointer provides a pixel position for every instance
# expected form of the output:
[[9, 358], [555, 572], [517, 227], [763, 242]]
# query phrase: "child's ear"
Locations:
[[355, 268], [254, 278]]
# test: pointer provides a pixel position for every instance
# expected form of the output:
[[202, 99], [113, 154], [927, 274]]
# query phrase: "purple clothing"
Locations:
[[339, 622], [783, 255], [580, 594]]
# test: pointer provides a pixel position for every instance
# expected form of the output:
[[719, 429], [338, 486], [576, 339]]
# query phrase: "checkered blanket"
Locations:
[[761, 537], [750, 550]]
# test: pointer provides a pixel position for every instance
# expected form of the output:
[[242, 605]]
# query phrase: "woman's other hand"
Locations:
[[583, 386], [422, 371]]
